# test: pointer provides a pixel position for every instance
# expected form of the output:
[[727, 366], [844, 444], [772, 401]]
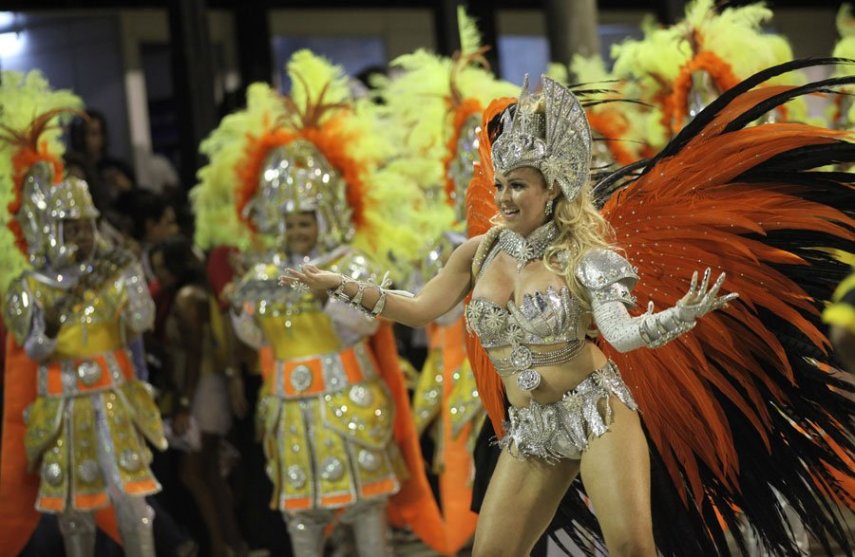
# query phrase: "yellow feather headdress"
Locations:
[[30, 133], [670, 65], [345, 134]]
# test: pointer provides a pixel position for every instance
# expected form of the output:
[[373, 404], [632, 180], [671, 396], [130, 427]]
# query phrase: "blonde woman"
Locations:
[[550, 301], [720, 404]]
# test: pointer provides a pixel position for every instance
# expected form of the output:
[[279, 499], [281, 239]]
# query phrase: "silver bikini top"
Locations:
[[553, 316], [550, 317]]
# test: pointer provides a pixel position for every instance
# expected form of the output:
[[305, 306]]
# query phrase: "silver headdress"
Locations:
[[44, 206], [556, 139], [296, 177]]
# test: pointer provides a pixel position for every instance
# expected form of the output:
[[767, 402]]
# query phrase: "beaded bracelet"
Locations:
[[356, 300]]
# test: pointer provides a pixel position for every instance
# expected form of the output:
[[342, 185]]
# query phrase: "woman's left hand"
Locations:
[[317, 280], [702, 299]]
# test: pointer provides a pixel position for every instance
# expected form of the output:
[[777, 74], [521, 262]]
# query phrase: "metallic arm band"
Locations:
[[658, 329], [626, 333], [356, 300]]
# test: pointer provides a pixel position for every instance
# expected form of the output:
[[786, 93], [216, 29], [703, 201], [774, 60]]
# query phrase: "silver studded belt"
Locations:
[[523, 358], [72, 377]]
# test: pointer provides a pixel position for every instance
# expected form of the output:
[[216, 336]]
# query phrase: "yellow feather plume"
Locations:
[[23, 97]]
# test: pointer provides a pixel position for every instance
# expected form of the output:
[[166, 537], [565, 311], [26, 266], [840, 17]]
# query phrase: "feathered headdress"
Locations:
[[316, 149], [30, 164], [681, 68], [437, 104], [615, 119]]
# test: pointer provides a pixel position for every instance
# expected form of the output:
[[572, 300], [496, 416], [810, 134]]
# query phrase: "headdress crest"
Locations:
[[548, 131]]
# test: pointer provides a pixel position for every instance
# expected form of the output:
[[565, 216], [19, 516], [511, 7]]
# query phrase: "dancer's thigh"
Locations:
[[520, 502], [616, 473]]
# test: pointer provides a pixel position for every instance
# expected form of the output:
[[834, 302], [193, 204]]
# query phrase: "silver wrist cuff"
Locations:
[[356, 300], [661, 328]]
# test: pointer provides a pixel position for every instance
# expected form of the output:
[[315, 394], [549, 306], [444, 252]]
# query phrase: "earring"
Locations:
[[547, 210]]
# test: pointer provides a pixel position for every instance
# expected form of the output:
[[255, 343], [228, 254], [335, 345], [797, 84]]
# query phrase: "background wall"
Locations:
[[118, 60], [81, 53]]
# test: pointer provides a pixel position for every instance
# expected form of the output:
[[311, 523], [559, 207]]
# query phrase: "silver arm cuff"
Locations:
[[139, 314], [38, 345], [246, 329], [658, 329], [356, 301], [626, 333]]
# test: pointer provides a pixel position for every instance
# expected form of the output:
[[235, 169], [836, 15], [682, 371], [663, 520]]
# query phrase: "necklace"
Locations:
[[530, 248]]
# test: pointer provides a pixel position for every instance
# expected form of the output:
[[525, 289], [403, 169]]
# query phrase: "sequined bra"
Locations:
[[542, 318], [552, 318]]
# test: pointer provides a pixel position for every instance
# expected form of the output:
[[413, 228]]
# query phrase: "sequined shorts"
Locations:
[[562, 429]]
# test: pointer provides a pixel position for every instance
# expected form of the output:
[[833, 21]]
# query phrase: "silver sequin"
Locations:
[[52, 473], [88, 372], [332, 469], [369, 460], [561, 429], [88, 471], [130, 460], [296, 476], [301, 378], [361, 396]]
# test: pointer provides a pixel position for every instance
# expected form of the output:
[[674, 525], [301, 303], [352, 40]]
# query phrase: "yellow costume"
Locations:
[[88, 418], [678, 70], [436, 106], [338, 434]]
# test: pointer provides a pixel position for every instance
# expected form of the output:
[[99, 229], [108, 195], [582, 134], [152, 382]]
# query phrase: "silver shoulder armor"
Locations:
[[608, 276]]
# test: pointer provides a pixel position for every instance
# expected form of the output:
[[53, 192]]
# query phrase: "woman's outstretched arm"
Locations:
[[440, 294]]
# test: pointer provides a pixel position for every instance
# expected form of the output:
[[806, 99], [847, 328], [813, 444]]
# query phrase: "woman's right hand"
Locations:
[[318, 280]]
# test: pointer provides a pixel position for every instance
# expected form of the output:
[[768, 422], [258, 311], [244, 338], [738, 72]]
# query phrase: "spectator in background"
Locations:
[[108, 176], [200, 350], [150, 220]]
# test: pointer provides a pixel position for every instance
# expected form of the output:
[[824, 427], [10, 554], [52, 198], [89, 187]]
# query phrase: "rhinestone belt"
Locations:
[[523, 358]]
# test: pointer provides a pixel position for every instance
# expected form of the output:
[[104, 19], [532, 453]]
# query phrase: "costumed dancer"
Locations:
[[335, 416], [437, 103], [72, 307], [679, 69], [738, 413]]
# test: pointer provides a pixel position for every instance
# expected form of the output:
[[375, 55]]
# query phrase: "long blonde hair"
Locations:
[[580, 229]]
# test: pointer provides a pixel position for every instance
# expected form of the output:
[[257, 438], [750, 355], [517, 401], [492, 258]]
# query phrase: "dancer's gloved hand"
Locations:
[[657, 329], [699, 301]]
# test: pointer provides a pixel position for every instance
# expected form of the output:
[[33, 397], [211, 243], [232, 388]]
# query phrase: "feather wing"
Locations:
[[749, 404]]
